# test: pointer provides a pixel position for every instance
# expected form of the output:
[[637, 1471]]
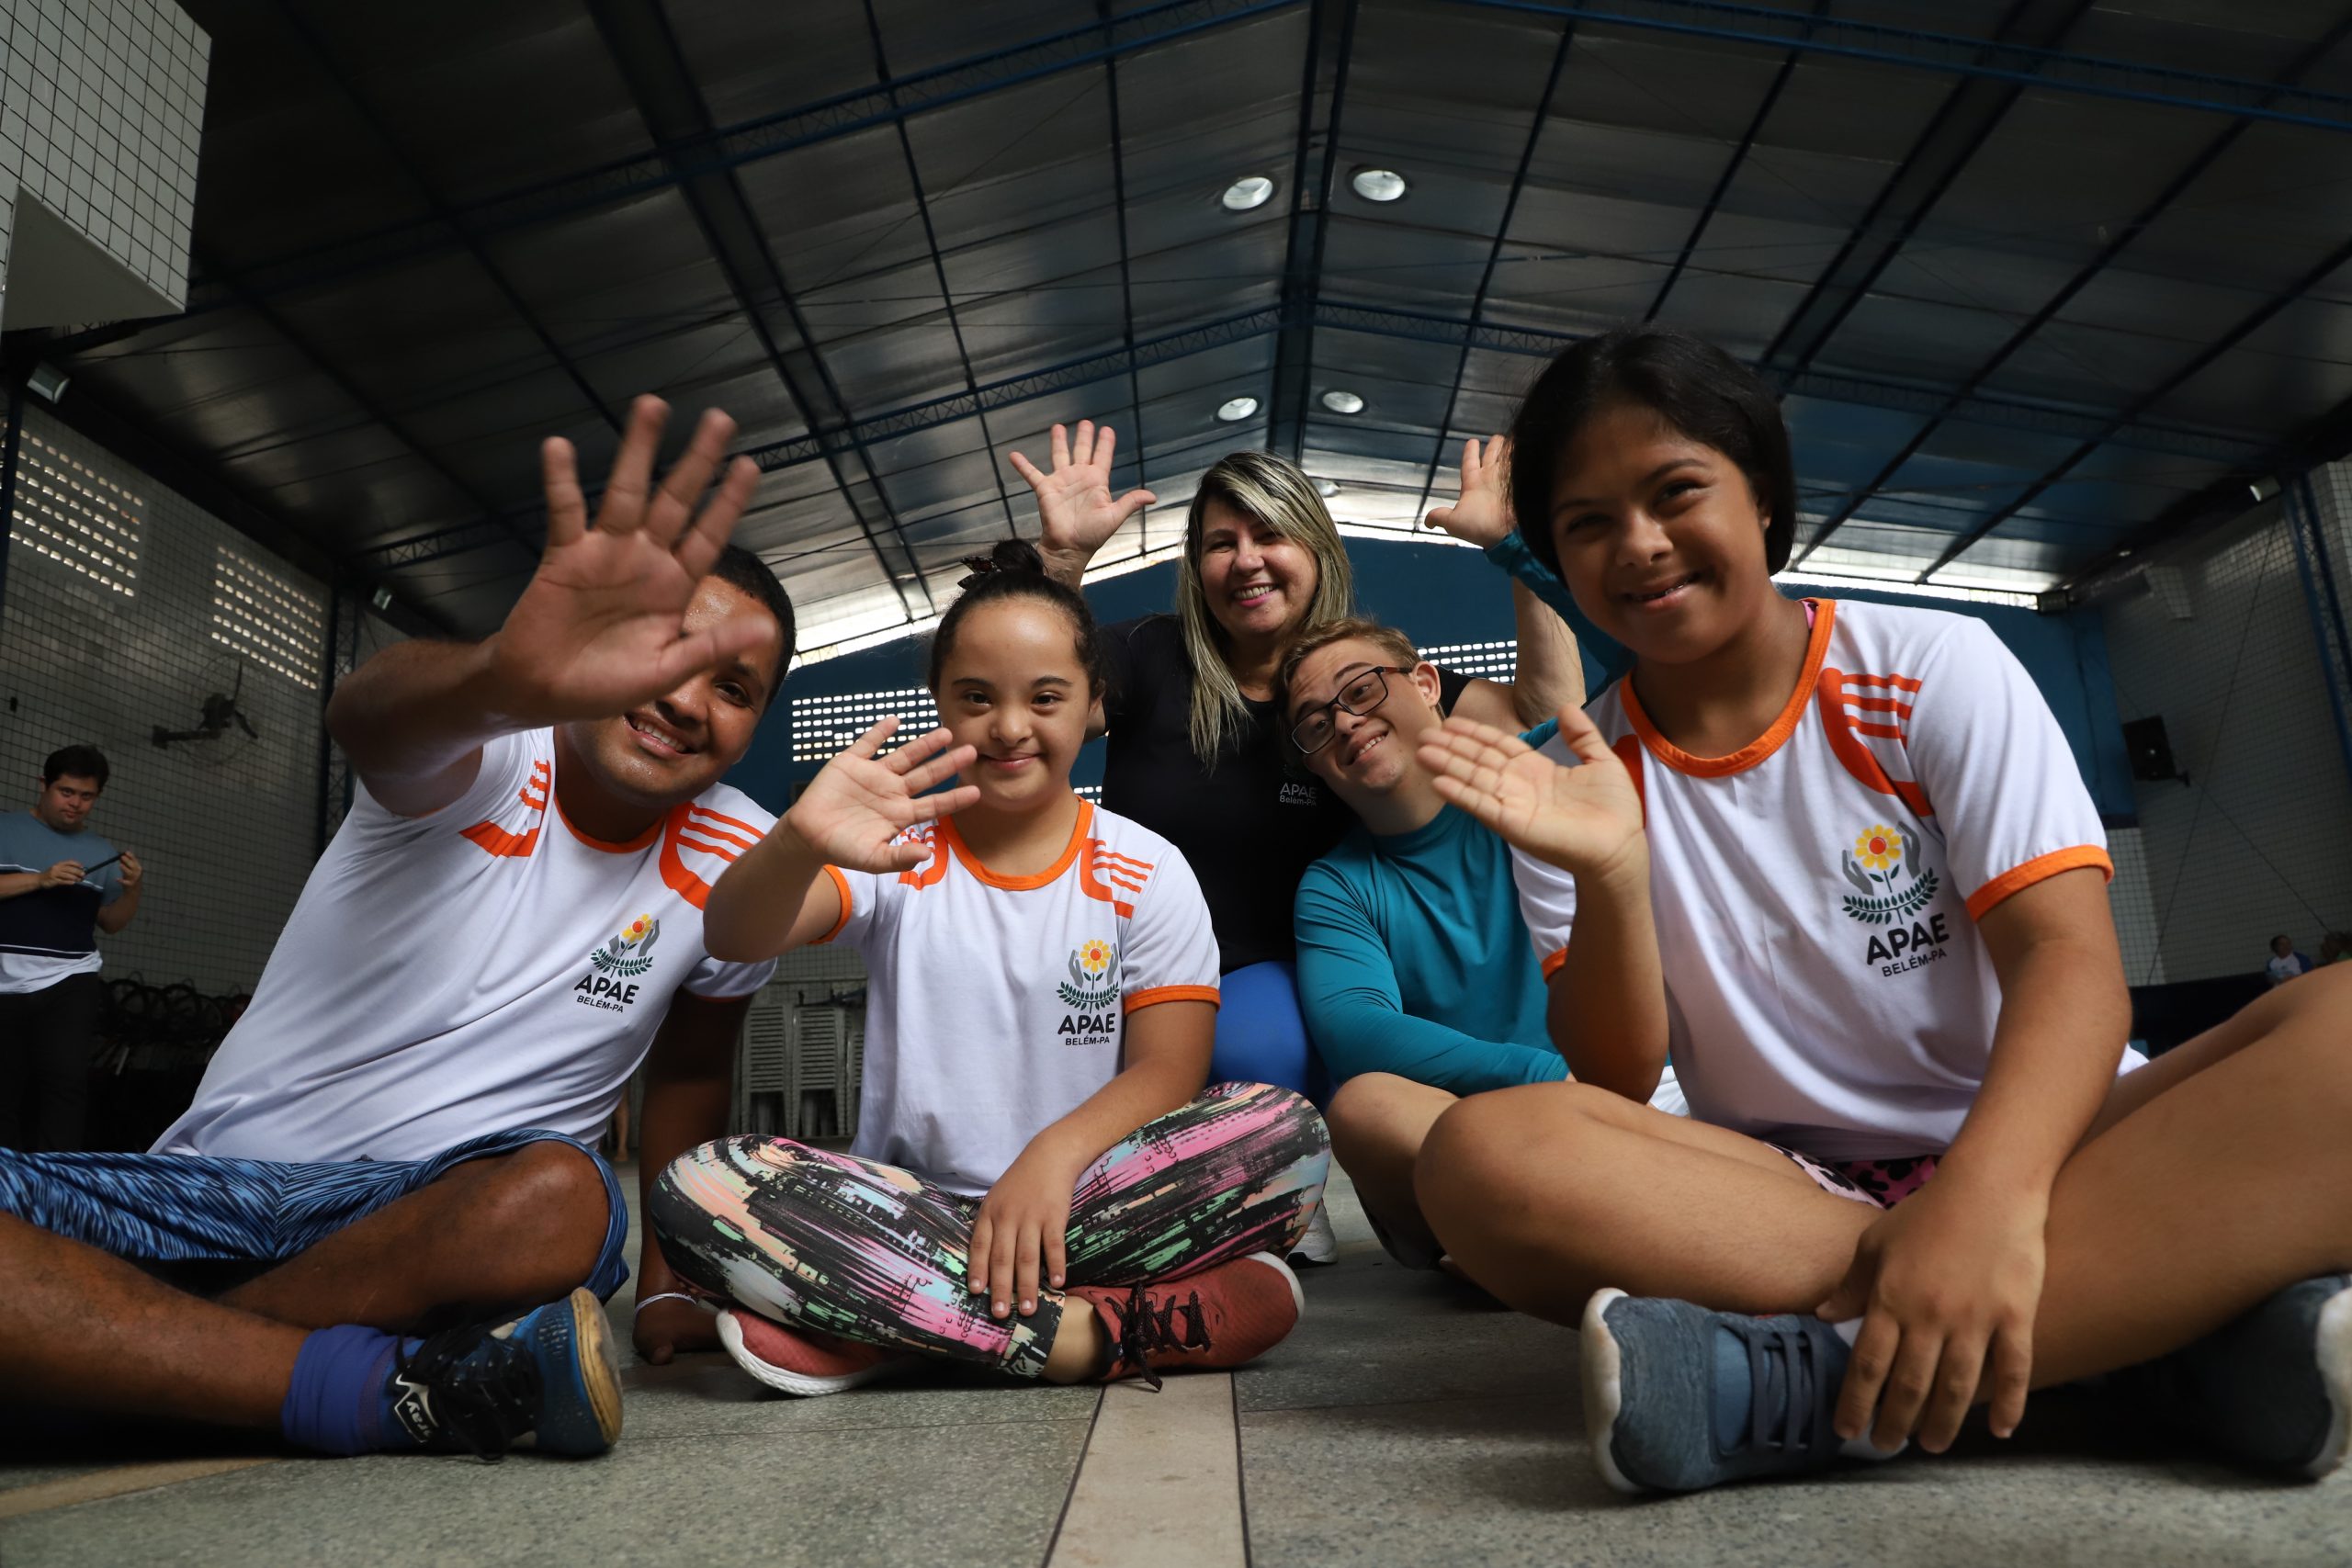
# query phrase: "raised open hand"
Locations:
[[1074, 501], [1583, 820], [600, 627], [854, 810], [1482, 516]]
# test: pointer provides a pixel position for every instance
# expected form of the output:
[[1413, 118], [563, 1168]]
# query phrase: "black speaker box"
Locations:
[[2150, 750]]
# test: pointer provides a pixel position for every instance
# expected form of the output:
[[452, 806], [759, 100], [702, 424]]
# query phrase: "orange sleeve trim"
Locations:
[[2040, 868], [1552, 964], [1158, 993], [840, 885], [730, 821]]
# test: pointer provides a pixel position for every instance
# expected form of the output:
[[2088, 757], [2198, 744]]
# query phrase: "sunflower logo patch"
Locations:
[[1092, 993], [1893, 890], [617, 963]]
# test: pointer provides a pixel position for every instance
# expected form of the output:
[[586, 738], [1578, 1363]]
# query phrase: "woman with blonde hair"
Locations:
[[1196, 747]]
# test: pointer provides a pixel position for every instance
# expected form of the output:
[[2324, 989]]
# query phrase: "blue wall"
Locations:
[[1441, 593]]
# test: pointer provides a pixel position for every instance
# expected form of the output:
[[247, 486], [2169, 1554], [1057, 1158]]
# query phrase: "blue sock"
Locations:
[[339, 1401]]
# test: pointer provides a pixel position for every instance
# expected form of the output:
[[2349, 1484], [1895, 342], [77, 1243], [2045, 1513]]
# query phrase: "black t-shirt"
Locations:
[[1249, 827]]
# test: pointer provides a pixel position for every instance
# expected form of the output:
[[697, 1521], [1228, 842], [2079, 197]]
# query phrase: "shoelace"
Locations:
[[1803, 1417], [482, 1401], [1142, 1330]]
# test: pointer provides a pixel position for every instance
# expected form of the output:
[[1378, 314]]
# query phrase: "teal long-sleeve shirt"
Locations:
[[1412, 960]]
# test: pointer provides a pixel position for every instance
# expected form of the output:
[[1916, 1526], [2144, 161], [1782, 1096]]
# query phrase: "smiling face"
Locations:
[[1260, 585], [63, 804], [1369, 754], [1660, 538], [1014, 689], [678, 744]]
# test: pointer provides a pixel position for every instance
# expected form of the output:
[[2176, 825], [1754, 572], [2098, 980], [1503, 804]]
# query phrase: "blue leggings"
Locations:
[[1261, 1036]]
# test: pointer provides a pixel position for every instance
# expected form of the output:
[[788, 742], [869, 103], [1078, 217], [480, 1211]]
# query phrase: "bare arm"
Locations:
[[689, 1079], [1549, 673], [1018, 1238], [1075, 507], [1605, 1007], [596, 631], [1949, 1285]]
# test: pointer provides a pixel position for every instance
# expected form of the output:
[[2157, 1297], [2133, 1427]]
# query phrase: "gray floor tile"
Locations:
[[835, 1497], [709, 1395], [1509, 1481]]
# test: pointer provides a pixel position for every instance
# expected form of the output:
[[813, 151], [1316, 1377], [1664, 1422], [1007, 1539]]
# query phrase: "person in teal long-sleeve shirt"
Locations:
[[1416, 976]]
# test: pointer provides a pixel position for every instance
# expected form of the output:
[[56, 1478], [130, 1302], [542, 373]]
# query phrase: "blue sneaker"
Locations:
[[1678, 1398], [549, 1375], [2271, 1391]]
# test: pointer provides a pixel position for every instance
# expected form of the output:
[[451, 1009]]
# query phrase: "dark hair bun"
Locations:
[[1013, 556]]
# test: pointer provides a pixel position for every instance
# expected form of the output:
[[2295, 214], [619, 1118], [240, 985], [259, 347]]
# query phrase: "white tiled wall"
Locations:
[[100, 106], [224, 829], [2259, 839]]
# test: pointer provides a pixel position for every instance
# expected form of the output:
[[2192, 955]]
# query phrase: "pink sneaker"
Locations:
[[797, 1362], [1219, 1317]]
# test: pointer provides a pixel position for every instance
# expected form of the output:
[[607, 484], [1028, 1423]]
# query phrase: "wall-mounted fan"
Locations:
[[222, 732]]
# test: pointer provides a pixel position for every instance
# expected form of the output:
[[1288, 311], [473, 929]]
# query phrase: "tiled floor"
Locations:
[[1405, 1423]]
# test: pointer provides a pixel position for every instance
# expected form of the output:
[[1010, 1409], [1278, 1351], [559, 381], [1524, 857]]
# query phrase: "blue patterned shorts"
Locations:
[[201, 1208]]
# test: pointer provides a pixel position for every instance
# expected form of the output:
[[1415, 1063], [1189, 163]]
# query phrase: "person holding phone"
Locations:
[[59, 885]]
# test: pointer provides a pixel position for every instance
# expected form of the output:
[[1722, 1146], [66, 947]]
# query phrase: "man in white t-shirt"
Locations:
[[398, 1135]]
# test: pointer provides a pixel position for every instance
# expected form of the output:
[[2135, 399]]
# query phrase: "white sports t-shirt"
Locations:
[[1818, 892], [483, 968], [998, 1003]]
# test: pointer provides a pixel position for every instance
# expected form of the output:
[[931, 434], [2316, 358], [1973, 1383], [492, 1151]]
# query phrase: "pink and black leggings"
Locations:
[[864, 1251]]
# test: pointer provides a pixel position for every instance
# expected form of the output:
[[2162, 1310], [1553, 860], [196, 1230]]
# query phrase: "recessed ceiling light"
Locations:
[[1342, 402], [1326, 488], [1250, 190], [1378, 185], [1234, 409]]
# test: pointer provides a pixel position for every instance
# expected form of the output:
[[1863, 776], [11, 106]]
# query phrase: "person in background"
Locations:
[[2285, 963], [1196, 747], [2334, 948], [59, 885]]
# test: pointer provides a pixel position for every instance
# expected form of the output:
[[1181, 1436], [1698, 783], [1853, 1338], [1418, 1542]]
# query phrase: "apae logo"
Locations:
[[1895, 890], [1092, 992], [617, 964]]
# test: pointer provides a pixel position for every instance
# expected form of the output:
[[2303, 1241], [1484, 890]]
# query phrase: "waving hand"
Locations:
[[854, 810], [600, 628], [1581, 820], [1074, 501]]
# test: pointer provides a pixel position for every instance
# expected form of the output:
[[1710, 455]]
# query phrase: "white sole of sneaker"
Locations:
[[801, 1386], [2334, 1352], [1604, 1394], [1297, 1292]]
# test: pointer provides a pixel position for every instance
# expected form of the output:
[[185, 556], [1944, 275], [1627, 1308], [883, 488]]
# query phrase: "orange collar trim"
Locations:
[[962, 852], [651, 832], [1763, 746]]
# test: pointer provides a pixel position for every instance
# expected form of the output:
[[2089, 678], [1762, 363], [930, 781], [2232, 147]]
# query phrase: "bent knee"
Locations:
[[552, 1176], [1480, 1148], [1377, 1113]]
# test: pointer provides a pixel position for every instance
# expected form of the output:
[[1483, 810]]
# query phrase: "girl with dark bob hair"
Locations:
[[1838, 859]]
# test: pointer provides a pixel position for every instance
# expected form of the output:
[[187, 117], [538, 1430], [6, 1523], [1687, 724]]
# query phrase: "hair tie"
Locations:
[[982, 566]]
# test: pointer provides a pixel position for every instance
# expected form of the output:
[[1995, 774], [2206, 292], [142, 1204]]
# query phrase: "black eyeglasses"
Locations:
[[1364, 691]]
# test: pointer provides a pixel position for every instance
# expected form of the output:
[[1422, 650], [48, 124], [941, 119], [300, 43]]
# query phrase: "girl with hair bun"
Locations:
[[1039, 1182]]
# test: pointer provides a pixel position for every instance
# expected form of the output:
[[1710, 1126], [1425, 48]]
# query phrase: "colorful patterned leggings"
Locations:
[[868, 1252]]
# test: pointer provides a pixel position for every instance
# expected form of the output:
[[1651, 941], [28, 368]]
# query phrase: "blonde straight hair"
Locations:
[[1279, 496]]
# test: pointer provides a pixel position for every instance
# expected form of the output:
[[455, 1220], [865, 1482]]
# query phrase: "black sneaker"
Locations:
[[2271, 1391], [549, 1375]]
